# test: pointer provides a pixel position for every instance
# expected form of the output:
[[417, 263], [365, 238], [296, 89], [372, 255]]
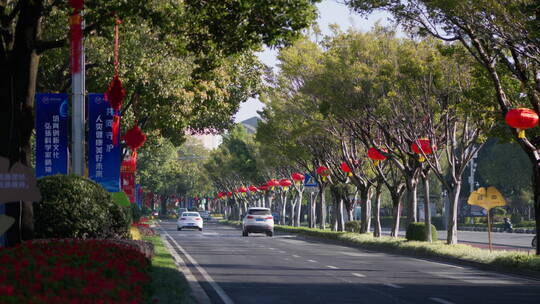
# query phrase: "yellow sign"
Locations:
[[486, 198]]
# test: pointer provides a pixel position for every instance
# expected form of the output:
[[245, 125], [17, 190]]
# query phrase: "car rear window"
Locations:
[[259, 212], [190, 214]]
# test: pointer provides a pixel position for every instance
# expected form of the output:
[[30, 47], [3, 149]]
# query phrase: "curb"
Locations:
[[495, 229], [197, 292]]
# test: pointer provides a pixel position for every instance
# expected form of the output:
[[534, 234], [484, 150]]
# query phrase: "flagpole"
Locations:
[[78, 115]]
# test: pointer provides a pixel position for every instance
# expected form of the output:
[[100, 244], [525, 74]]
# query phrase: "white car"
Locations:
[[259, 220], [190, 220]]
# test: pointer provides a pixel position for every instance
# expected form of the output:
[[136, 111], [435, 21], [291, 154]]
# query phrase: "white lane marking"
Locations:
[[224, 297], [282, 251], [272, 248], [358, 275], [333, 267], [443, 264], [312, 261], [442, 301], [295, 255], [392, 285], [355, 254]]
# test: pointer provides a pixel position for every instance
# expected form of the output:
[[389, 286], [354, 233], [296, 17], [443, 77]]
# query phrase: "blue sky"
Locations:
[[330, 12]]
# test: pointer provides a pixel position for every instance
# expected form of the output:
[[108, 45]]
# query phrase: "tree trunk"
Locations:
[[283, 208], [397, 214], [378, 189], [340, 216], [312, 210], [427, 210], [365, 199], [412, 199], [322, 208], [298, 218], [350, 214], [451, 237]]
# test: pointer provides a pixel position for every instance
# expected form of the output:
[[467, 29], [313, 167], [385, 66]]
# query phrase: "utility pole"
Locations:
[[77, 112]]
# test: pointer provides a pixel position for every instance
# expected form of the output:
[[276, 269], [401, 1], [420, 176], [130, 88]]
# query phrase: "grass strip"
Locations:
[[511, 260], [168, 284]]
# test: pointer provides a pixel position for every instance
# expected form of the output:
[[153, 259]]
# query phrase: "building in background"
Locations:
[[251, 124], [209, 141]]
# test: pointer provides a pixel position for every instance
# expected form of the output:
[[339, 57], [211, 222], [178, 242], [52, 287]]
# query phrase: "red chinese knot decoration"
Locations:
[[135, 138], [422, 145], [521, 119]]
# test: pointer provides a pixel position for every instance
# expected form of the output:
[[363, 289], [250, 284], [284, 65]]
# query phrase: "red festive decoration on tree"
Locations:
[[297, 177], [273, 183], [424, 145], [375, 155], [229, 194], [115, 129], [242, 190], [76, 4], [346, 169], [135, 138], [323, 171], [521, 119], [115, 92], [253, 188], [263, 187], [285, 183]]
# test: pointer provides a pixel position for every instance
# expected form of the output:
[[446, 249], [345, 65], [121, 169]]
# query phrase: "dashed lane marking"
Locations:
[[358, 275], [442, 301], [333, 267], [392, 285]]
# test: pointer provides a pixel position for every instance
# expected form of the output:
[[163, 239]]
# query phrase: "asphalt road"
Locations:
[[290, 269]]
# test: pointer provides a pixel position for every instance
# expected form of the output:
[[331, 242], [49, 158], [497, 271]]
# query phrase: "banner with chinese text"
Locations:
[[51, 134], [103, 156]]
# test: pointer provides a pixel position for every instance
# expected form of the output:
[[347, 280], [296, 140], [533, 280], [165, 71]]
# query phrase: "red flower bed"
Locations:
[[73, 271]]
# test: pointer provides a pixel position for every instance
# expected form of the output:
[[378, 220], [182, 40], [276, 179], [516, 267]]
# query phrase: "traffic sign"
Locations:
[[310, 181]]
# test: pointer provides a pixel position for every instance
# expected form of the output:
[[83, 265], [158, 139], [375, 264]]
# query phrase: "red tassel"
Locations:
[[115, 129], [115, 93], [75, 32]]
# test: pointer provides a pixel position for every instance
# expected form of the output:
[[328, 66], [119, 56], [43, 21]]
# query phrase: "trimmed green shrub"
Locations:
[[76, 207], [416, 232], [353, 226]]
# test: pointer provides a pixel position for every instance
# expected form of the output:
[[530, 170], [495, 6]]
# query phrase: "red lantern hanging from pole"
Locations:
[[253, 189], [273, 183], [375, 155], [116, 93], [323, 171], [422, 145], [135, 138], [521, 119]]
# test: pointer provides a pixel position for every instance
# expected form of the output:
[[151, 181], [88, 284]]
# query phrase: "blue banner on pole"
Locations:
[[51, 134], [103, 156]]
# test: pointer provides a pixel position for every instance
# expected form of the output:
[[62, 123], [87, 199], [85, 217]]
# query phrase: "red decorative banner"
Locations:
[[128, 184]]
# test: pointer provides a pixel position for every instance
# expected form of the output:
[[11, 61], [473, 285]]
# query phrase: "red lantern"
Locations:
[[273, 183], [323, 171], [263, 187], [375, 155], [346, 168], [424, 145], [76, 4], [298, 178], [521, 119], [285, 183], [229, 194], [242, 190], [135, 138], [253, 188]]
